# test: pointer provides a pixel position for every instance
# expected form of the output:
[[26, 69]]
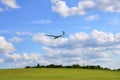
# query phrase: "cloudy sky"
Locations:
[[92, 30]]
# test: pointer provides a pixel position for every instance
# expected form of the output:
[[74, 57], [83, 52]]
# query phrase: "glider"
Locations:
[[57, 36]]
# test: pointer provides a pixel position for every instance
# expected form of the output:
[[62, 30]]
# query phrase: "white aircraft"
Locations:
[[57, 36]]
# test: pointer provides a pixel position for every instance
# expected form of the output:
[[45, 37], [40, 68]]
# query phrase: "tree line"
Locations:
[[70, 66]]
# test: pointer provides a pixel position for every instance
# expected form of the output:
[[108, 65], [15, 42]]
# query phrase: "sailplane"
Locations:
[[57, 36]]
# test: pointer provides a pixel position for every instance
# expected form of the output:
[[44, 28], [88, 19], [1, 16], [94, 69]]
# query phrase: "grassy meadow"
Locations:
[[58, 74]]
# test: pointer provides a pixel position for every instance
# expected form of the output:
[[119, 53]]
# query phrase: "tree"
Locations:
[[76, 66], [27, 67], [51, 66], [38, 66]]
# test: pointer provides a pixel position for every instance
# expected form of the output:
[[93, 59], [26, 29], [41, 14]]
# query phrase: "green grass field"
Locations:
[[58, 74]]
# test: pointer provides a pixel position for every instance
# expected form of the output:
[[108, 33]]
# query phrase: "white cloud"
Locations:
[[53, 52], [61, 7], [1, 9], [75, 56], [42, 38], [103, 37], [81, 36], [92, 18], [10, 3], [35, 56], [5, 31], [109, 5], [23, 57], [84, 6], [117, 37], [5, 47], [16, 39], [13, 57], [1, 61], [41, 22], [95, 39], [24, 33], [115, 21]]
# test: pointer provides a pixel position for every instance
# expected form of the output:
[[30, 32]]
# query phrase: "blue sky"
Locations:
[[92, 30]]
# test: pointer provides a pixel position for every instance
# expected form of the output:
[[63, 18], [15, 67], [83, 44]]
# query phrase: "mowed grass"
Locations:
[[58, 74]]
